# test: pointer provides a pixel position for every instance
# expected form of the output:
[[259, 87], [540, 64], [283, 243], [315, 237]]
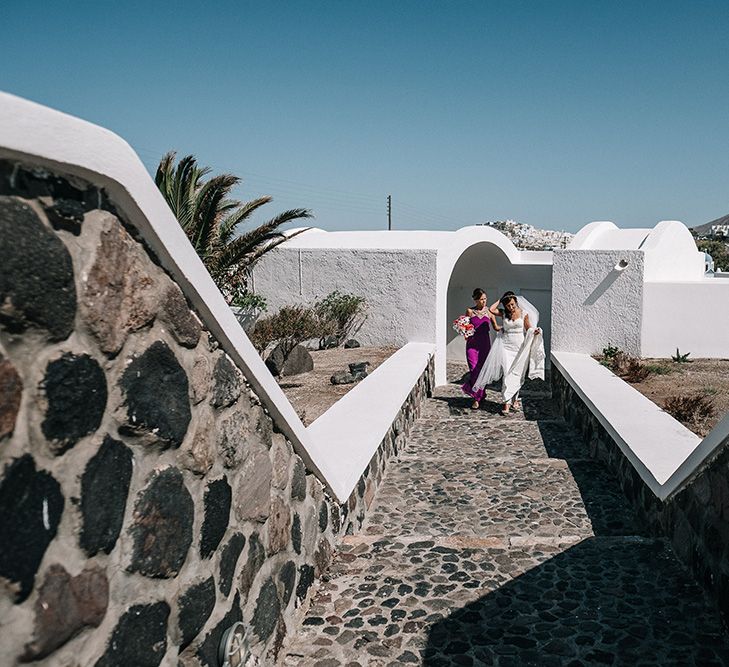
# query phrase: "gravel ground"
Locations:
[[709, 377], [312, 394]]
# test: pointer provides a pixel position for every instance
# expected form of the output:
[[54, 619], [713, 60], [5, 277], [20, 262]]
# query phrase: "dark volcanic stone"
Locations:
[[298, 480], [217, 514], [228, 560], [36, 274], [104, 490], [328, 343], [139, 638], [256, 558], [344, 377], [306, 579], [296, 533], [75, 387], [351, 343], [162, 527], [195, 607], [31, 504], [226, 378], [268, 610], [11, 391], [298, 361], [208, 651], [183, 324], [155, 386], [64, 606], [287, 576], [67, 214], [31, 182], [323, 516]]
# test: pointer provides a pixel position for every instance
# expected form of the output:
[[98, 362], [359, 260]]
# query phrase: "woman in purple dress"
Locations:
[[478, 345]]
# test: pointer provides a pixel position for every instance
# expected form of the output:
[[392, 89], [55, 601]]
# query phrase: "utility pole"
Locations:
[[389, 212]]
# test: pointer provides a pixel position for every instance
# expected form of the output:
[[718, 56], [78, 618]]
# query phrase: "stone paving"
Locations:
[[496, 541]]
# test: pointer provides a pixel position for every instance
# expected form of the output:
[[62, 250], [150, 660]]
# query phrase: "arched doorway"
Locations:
[[484, 264]]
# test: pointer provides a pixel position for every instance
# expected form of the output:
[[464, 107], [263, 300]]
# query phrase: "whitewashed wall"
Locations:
[[594, 304], [399, 286], [692, 316]]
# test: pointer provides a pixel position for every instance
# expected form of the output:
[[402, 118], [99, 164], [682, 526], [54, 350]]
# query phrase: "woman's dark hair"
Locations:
[[478, 293], [508, 296]]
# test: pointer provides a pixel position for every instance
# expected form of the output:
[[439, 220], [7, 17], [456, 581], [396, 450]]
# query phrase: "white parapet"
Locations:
[[663, 452]]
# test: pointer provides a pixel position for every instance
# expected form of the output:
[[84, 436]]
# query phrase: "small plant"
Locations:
[[249, 301], [695, 411], [610, 351], [681, 358], [631, 369], [660, 369], [339, 313]]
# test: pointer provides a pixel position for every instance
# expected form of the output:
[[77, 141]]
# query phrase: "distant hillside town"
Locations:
[[527, 237], [716, 229]]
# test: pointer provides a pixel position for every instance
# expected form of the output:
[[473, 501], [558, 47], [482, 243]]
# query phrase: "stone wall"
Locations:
[[147, 499], [695, 518]]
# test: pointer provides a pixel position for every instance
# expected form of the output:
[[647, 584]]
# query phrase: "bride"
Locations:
[[517, 346]]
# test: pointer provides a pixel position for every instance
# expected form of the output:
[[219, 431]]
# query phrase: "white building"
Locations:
[[631, 288]]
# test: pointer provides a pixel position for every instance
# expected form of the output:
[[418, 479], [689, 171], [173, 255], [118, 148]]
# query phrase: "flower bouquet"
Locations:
[[463, 326]]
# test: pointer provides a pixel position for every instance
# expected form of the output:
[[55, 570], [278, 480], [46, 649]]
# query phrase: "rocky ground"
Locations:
[[312, 393], [497, 541]]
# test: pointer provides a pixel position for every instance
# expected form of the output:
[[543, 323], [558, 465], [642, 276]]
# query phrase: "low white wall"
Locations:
[[376, 402], [663, 452], [653, 441], [399, 286], [593, 303], [693, 317]]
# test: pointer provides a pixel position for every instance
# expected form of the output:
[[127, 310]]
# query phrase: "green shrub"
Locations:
[[341, 312], [681, 358], [249, 301], [610, 351]]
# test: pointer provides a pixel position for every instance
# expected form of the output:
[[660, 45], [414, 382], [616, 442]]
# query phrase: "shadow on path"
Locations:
[[604, 601]]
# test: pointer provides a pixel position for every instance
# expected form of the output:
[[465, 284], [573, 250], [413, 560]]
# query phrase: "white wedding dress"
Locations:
[[513, 352]]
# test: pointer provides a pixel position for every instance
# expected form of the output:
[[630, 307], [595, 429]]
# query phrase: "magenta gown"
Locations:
[[478, 347]]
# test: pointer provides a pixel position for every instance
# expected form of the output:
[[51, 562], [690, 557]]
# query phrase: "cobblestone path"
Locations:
[[495, 541]]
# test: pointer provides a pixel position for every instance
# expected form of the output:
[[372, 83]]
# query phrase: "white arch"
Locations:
[[448, 257]]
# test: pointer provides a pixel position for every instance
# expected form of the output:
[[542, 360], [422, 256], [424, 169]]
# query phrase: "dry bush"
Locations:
[[631, 369], [291, 325], [695, 411]]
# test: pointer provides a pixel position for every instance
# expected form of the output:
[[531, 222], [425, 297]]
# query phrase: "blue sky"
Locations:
[[551, 113]]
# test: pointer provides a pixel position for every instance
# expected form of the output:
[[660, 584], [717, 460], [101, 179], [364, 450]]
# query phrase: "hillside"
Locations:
[[703, 230]]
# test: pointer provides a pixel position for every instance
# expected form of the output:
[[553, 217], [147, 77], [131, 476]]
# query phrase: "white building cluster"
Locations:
[[528, 237]]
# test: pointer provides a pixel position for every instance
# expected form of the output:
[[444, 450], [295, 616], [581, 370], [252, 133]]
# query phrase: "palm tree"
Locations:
[[210, 218]]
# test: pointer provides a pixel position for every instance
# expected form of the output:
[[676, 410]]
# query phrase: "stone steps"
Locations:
[[496, 541]]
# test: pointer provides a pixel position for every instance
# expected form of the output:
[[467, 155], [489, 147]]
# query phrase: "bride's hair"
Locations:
[[508, 296], [478, 293]]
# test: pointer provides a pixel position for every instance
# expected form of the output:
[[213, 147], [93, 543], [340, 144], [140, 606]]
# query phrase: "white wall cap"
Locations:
[[654, 442], [671, 253], [583, 239], [350, 432], [449, 242]]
